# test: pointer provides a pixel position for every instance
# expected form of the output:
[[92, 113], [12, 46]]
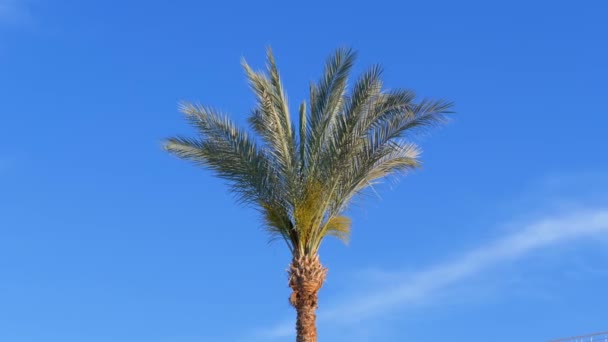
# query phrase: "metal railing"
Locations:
[[597, 337]]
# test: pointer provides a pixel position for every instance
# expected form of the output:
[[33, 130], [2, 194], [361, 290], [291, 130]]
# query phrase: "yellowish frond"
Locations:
[[308, 213], [339, 226]]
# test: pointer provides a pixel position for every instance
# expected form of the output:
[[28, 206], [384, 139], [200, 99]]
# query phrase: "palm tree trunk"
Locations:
[[306, 276]]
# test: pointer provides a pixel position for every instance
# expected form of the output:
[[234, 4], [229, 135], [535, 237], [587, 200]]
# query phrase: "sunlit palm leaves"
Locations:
[[302, 179]]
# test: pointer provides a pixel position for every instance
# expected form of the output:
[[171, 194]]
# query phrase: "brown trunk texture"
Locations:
[[306, 276]]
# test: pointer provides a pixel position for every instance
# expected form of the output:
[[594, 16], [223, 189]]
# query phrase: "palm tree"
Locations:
[[302, 179]]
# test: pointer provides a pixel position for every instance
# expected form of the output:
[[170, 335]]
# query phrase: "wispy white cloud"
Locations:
[[423, 285]]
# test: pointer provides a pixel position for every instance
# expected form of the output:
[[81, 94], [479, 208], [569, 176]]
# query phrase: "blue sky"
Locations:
[[104, 237]]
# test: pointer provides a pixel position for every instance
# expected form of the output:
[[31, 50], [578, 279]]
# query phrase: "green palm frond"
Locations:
[[326, 100], [228, 151], [278, 223], [270, 119], [302, 143], [302, 181]]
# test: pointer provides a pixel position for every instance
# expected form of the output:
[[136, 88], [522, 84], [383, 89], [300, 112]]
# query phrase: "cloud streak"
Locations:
[[423, 285]]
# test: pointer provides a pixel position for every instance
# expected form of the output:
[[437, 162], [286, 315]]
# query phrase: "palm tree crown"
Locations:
[[303, 178]]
